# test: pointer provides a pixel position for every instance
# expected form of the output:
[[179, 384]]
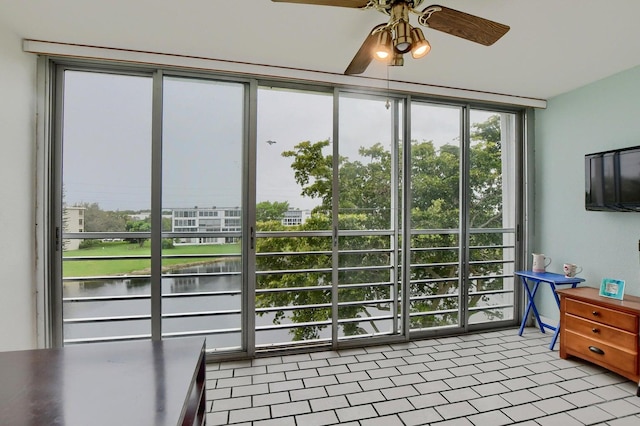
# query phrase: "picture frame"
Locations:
[[612, 288]]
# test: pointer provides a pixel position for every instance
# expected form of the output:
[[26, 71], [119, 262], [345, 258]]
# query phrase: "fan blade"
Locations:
[[364, 55], [463, 25], [341, 3]]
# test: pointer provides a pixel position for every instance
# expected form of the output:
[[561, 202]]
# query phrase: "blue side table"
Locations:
[[553, 280]]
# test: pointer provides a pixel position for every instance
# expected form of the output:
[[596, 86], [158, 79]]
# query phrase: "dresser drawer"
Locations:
[[596, 351], [600, 314], [598, 331]]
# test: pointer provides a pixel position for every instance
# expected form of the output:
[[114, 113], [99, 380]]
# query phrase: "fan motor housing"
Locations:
[[386, 5]]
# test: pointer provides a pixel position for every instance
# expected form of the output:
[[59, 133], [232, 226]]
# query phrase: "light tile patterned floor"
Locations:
[[484, 379]]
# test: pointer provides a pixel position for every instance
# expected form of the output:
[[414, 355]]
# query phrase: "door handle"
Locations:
[[596, 350]]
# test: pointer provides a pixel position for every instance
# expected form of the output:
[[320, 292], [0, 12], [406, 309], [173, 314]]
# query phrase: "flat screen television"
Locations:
[[612, 180]]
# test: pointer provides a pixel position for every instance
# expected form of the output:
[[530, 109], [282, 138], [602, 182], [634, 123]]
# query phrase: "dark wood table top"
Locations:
[[123, 383]]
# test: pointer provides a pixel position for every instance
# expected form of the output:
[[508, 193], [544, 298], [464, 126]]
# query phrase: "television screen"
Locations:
[[593, 182], [609, 179], [629, 178], [612, 180], [600, 185]]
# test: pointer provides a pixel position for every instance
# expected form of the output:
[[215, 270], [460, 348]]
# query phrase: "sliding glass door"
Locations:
[[463, 217], [102, 286], [436, 286], [152, 209], [262, 216], [293, 218], [202, 210], [367, 216], [491, 217]]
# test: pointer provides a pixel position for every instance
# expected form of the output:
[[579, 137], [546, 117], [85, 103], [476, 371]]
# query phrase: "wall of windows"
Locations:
[[405, 208]]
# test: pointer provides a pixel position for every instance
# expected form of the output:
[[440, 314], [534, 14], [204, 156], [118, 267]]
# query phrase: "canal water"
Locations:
[[130, 297]]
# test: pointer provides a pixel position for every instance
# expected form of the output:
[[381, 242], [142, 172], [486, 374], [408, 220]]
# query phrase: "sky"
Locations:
[[107, 139]]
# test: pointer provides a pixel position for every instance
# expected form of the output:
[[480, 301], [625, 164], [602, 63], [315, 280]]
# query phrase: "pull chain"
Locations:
[[388, 103]]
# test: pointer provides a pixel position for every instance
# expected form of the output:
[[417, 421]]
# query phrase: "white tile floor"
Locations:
[[483, 379]]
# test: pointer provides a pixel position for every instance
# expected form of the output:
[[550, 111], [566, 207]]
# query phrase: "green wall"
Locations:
[[603, 115]]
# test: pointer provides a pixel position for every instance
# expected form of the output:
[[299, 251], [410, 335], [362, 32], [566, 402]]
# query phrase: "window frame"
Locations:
[[49, 303]]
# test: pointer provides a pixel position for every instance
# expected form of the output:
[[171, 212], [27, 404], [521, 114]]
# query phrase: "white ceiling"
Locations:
[[553, 46]]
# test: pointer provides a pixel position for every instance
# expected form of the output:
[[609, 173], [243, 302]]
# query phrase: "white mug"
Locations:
[[540, 263], [571, 270]]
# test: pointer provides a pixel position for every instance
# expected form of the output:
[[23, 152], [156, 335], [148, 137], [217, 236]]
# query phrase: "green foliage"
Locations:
[[312, 170], [98, 220], [138, 226], [267, 210], [167, 243], [364, 204], [85, 244], [488, 131]]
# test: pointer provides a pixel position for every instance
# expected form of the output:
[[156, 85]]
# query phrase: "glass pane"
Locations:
[[294, 175], [366, 162], [294, 154], [293, 300], [435, 216], [106, 180], [202, 145], [368, 171], [492, 217]]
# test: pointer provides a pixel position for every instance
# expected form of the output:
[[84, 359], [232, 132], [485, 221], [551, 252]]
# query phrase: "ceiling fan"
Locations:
[[388, 42]]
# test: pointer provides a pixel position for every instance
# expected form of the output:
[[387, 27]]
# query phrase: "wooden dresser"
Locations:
[[601, 330]]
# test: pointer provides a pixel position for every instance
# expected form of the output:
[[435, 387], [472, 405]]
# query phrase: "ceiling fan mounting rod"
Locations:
[[400, 12]]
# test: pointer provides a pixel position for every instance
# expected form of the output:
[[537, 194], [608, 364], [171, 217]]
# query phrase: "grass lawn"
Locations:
[[99, 267]]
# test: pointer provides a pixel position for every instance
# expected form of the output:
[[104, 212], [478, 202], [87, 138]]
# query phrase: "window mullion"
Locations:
[[335, 247], [156, 209]]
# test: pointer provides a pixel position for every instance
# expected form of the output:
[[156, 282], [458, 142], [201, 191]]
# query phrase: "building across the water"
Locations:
[[73, 221], [293, 217], [222, 220]]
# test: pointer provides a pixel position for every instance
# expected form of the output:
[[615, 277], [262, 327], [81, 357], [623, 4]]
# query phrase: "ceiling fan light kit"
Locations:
[[383, 49], [399, 23], [397, 60], [388, 42], [402, 41], [421, 46]]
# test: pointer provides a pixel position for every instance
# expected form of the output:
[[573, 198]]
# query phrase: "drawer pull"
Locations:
[[595, 330], [595, 313], [596, 350]]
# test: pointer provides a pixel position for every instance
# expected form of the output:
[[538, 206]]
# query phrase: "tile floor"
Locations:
[[484, 379]]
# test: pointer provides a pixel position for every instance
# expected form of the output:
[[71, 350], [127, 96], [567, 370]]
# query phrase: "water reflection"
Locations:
[[185, 283], [212, 303], [130, 297]]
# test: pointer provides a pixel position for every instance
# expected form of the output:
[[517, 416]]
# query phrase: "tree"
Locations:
[[267, 210], [98, 220], [312, 171], [167, 224], [365, 186], [138, 226]]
